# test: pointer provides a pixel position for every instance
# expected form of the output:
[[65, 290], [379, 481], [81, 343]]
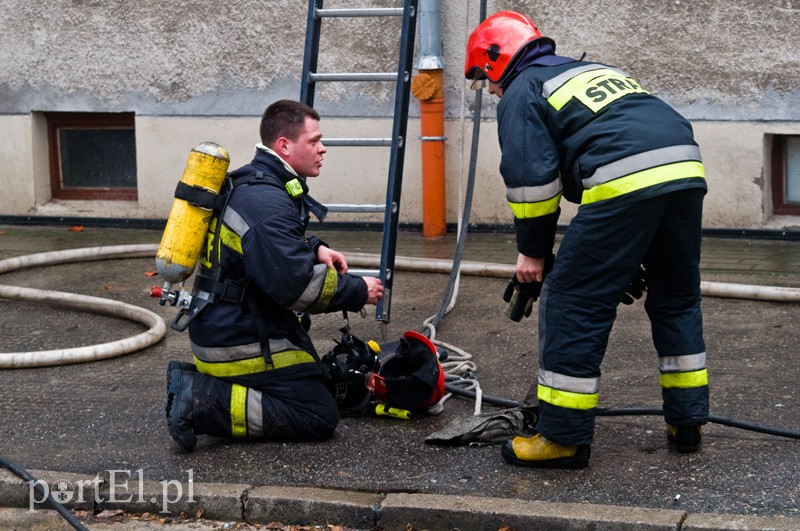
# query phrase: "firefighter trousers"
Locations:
[[598, 257], [300, 409]]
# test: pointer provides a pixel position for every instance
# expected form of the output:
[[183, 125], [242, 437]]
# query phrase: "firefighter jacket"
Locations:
[[588, 132], [253, 333]]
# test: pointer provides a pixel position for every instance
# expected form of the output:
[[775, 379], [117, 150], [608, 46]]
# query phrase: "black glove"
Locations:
[[520, 296], [636, 288]]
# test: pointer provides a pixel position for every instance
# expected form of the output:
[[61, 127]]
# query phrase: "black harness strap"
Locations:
[[199, 196], [214, 287]]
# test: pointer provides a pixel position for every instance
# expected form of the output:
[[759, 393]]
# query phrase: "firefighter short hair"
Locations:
[[284, 118]]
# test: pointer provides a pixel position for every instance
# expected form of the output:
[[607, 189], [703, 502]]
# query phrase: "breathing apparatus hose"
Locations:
[[25, 476]]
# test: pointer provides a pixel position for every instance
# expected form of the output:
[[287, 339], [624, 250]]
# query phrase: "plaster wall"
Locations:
[[735, 155], [712, 59], [193, 71]]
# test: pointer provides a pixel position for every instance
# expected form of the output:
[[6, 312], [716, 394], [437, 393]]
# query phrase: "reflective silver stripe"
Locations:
[[641, 161], [563, 382], [688, 363], [236, 223], [240, 352], [554, 84], [534, 194], [313, 289], [255, 415]]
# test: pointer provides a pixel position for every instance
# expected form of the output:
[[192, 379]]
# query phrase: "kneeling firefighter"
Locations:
[[256, 373]]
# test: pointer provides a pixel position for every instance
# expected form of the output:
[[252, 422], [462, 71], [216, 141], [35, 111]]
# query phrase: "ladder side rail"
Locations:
[[395, 180], [310, 52]]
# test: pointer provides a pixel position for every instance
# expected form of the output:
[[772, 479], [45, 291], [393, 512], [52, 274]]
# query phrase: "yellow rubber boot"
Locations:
[[538, 452]]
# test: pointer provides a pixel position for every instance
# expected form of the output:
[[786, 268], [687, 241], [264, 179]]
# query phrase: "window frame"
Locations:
[[84, 120], [780, 205]]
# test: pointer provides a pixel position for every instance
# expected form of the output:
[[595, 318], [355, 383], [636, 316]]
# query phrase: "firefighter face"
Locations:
[[495, 89], [304, 154]]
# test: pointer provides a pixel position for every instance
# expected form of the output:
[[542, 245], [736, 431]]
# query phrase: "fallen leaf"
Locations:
[[150, 273], [108, 287], [199, 513], [75, 228], [109, 513]]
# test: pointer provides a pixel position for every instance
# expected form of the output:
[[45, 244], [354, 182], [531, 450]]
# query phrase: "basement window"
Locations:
[[92, 155], [786, 174]]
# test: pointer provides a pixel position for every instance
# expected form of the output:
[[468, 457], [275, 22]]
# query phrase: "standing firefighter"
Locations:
[[256, 372], [589, 132]]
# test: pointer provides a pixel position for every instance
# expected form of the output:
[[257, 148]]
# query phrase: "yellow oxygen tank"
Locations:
[[188, 223]]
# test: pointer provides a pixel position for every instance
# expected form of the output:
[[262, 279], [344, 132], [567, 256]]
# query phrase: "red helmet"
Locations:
[[493, 45], [412, 378]]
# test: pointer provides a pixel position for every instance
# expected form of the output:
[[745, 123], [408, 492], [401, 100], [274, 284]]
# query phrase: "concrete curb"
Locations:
[[365, 511]]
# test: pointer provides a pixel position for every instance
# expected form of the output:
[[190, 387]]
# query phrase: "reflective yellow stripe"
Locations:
[[231, 368], [595, 89], [535, 210], [231, 239], [327, 292], [567, 399], [643, 179], [238, 411], [226, 236], [280, 360], [208, 247], [684, 380], [287, 358]]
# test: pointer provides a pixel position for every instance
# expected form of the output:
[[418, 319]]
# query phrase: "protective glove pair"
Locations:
[[636, 287], [520, 296]]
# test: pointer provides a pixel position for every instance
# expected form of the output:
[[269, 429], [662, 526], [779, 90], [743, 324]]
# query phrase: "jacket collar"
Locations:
[[267, 160]]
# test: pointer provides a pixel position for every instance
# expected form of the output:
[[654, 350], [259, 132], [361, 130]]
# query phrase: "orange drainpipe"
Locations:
[[427, 87]]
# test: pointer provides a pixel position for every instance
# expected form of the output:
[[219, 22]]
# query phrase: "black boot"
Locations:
[[684, 439], [179, 404]]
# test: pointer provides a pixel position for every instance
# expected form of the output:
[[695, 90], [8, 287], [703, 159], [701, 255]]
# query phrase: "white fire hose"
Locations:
[[157, 327]]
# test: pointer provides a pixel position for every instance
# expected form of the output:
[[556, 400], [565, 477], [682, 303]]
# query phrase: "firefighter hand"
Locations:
[[331, 258], [374, 289], [636, 288]]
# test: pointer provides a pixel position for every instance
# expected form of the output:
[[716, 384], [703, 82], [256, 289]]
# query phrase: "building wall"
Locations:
[[195, 71]]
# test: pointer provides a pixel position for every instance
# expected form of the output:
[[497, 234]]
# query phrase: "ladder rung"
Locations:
[[360, 12], [341, 207], [357, 76], [365, 272], [357, 141]]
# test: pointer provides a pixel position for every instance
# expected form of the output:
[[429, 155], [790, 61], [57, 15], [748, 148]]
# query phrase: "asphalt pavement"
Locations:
[[95, 434]]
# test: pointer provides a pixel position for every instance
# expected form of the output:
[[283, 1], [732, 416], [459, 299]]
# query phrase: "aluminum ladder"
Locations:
[[396, 143]]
